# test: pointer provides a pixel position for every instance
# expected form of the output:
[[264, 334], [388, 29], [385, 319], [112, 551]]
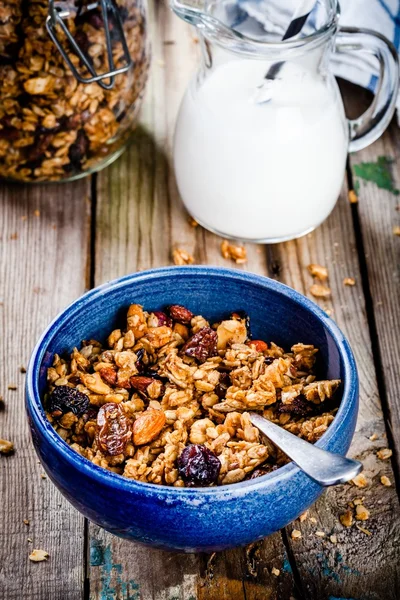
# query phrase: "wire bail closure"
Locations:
[[56, 17]]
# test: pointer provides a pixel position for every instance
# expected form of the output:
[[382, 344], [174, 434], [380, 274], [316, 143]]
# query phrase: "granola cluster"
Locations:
[[51, 126], [167, 399]]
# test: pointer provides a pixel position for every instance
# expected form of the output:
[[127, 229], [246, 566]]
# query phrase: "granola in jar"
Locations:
[[52, 126], [166, 398]]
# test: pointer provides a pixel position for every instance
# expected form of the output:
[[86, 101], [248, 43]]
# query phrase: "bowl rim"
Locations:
[[33, 400]]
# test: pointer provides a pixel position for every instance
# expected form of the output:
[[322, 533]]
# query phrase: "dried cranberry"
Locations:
[[223, 384], [163, 319], [202, 345], [198, 466], [297, 407], [65, 399], [114, 429], [180, 314]]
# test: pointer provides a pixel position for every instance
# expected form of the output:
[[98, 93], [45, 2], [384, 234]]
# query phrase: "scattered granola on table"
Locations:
[[51, 126], [6, 447], [38, 555], [320, 291], [384, 454], [350, 281], [166, 399], [234, 252], [318, 271], [182, 257]]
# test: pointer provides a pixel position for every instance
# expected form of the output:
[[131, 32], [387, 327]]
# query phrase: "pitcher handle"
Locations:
[[373, 122]]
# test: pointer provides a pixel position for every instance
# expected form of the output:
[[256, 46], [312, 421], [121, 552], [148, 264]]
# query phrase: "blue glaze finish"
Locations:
[[182, 518]]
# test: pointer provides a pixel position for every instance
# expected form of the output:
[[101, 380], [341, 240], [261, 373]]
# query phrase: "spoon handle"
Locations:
[[326, 468]]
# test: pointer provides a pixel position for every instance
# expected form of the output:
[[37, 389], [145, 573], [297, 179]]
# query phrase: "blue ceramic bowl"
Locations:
[[185, 518]]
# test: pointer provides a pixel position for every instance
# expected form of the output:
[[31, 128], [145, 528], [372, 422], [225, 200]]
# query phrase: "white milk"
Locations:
[[260, 171]]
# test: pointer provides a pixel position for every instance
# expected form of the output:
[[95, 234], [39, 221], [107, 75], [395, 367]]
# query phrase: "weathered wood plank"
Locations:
[[358, 565], [376, 175], [43, 265], [140, 220]]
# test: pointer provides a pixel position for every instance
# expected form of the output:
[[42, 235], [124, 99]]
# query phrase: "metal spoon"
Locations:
[[326, 468]]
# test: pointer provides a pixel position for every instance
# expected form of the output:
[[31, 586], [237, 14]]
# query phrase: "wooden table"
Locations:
[[59, 240]]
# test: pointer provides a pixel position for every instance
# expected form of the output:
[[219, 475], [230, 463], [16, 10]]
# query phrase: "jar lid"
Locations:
[[110, 16]]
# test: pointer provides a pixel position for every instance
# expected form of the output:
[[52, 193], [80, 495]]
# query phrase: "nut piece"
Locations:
[[346, 518], [362, 513], [275, 571], [320, 291], [233, 251], [296, 534], [350, 281], [231, 332], [360, 481], [95, 384], [353, 198], [38, 555], [333, 538], [148, 426], [385, 481], [147, 386], [137, 321], [181, 257], [109, 374], [318, 271], [384, 453], [396, 230], [6, 447]]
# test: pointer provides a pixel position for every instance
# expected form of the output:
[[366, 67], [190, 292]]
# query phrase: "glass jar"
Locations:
[[261, 137], [72, 77]]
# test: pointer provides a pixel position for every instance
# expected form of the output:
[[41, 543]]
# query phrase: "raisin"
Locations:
[[78, 150], [65, 399], [262, 470], [297, 407], [180, 314], [163, 319], [223, 384], [114, 429], [139, 360], [198, 466], [202, 345], [269, 360]]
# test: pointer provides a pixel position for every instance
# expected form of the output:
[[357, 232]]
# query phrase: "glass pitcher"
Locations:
[[261, 136]]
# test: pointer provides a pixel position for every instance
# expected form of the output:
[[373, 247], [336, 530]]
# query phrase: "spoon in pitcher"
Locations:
[[296, 25], [326, 468]]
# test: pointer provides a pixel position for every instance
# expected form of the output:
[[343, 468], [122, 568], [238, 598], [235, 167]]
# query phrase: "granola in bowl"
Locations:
[[165, 400]]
